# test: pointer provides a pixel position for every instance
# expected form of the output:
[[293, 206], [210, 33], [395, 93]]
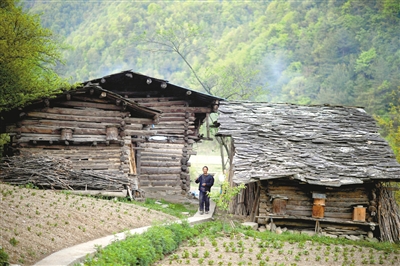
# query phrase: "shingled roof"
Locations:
[[321, 145]]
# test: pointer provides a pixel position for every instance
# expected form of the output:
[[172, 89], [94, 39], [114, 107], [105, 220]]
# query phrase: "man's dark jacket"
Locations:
[[208, 179]]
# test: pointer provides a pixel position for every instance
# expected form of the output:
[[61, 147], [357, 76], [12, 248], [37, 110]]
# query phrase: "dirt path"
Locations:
[[36, 223]]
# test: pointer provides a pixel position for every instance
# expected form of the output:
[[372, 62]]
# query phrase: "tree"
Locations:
[[228, 80], [228, 192], [27, 54], [178, 39], [390, 124]]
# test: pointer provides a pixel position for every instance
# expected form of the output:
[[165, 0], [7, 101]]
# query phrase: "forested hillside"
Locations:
[[307, 52]]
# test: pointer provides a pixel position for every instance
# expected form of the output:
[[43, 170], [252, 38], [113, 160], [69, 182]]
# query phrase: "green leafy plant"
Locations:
[[222, 200], [3, 257], [13, 242]]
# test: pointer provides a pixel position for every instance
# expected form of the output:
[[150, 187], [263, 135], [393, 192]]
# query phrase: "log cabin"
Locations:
[[89, 126], [320, 167], [162, 159], [143, 126]]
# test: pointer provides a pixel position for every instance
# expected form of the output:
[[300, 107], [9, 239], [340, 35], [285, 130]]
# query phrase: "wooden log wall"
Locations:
[[40, 132], [339, 201], [163, 159]]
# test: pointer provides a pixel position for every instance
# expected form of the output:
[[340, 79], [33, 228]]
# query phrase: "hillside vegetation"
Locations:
[[337, 52], [306, 52]]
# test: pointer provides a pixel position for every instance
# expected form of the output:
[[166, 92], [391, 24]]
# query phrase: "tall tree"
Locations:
[[27, 54]]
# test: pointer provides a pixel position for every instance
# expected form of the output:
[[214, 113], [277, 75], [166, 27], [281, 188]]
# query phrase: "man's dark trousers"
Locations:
[[204, 201]]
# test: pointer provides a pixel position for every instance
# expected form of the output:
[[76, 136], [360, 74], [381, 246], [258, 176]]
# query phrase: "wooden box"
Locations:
[[279, 206], [359, 214], [318, 211], [319, 202]]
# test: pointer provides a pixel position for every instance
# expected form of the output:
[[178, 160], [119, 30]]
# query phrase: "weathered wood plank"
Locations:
[[85, 112], [140, 132], [160, 170], [164, 184], [160, 150], [57, 130], [61, 124], [156, 104], [151, 99], [135, 120], [78, 118], [161, 163], [103, 106], [185, 109]]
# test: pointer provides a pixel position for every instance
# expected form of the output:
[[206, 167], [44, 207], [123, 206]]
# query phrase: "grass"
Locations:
[[174, 209]]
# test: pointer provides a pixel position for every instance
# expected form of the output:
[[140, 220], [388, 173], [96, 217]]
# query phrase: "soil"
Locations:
[[242, 250], [36, 223]]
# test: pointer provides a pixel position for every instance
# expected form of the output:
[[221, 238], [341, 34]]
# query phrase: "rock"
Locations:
[[278, 231], [268, 227], [290, 231], [284, 229], [185, 213], [308, 232], [370, 234], [374, 240], [261, 221], [252, 225], [331, 236], [164, 206], [262, 229], [351, 237]]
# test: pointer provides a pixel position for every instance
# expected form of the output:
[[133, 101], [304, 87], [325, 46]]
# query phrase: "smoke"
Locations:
[[273, 76]]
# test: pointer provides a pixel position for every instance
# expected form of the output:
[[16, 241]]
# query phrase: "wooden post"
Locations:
[[255, 204], [208, 125], [133, 160], [138, 160]]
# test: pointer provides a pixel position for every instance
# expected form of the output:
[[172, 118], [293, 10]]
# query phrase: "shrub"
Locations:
[[146, 248], [3, 257]]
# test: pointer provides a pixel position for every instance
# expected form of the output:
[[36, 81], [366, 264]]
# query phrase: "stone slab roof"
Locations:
[[321, 145]]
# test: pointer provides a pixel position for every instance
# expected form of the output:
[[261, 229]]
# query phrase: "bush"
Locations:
[[146, 248], [3, 257]]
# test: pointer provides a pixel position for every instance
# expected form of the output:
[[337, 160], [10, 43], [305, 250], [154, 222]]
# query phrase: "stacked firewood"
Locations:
[[57, 173], [388, 215]]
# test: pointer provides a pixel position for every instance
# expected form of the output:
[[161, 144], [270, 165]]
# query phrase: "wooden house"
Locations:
[[322, 167], [89, 126], [162, 158], [126, 123]]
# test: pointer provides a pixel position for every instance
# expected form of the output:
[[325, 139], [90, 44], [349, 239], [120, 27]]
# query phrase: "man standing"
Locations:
[[206, 181]]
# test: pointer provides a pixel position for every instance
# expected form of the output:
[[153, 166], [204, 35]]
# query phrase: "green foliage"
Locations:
[[390, 124], [223, 199], [13, 242], [146, 248], [338, 52], [4, 139], [27, 54], [308, 52], [3, 257]]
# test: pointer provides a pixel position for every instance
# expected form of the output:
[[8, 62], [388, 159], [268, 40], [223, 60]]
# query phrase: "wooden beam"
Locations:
[[103, 106], [74, 117], [185, 109]]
